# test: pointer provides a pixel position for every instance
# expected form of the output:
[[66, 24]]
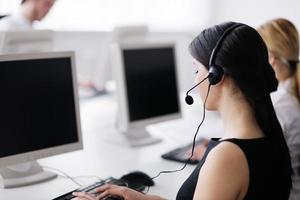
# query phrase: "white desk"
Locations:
[[106, 153]]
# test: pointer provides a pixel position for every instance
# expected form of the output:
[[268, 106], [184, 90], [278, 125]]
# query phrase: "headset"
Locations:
[[215, 72], [214, 76]]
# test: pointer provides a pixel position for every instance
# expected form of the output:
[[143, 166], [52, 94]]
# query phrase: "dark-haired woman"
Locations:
[[251, 160]]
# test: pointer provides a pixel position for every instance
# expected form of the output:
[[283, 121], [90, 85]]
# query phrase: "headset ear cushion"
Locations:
[[215, 74]]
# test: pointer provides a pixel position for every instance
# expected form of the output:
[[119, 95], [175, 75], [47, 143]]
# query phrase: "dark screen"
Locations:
[[150, 82], [37, 108]]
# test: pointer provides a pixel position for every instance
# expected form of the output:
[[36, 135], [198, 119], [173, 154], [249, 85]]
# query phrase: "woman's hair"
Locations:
[[244, 57], [282, 39]]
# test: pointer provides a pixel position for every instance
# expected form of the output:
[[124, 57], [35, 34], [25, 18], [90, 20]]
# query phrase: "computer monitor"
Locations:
[[130, 33], [39, 114], [92, 58], [26, 41], [147, 87]]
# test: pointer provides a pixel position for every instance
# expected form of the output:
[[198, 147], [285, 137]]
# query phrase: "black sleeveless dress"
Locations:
[[269, 177]]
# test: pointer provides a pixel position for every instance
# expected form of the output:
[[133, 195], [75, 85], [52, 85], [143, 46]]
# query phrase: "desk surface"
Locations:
[[107, 153]]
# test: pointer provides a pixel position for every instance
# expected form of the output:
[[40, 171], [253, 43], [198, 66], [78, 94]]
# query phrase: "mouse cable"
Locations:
[[65, 175], [194, 141]]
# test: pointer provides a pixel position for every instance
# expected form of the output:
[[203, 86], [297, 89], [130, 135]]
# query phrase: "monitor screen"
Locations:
[[37, 105], [151, 84]]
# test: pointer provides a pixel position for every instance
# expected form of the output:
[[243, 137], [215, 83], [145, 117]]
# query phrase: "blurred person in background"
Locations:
[[29, 12], [282, 40]]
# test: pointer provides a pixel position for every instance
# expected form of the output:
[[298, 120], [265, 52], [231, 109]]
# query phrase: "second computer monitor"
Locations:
[[147, 86], [26, 41]]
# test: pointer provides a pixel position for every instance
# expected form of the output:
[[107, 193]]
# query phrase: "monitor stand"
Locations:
[[23, 174], [138, 137]]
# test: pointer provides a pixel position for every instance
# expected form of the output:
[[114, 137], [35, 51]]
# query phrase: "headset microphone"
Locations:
[[188, 98]]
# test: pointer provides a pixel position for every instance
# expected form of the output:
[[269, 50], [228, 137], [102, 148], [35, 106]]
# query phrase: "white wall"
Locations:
[[104, 15], [255, 12], [169, 15]]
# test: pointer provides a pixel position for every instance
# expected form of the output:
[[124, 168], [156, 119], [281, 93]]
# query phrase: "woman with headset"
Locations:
[[251, 160], [282, 40]]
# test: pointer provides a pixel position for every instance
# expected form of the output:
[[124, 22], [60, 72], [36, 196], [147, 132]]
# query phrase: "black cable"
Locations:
[[194, 141]]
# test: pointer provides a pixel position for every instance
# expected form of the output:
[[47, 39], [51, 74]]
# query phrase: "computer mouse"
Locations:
[[139, 178]]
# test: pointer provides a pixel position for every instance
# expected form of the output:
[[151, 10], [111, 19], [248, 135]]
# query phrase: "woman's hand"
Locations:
[[111, 190]]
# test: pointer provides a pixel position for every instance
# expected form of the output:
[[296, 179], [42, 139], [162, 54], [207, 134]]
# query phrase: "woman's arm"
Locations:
[[224, 175]]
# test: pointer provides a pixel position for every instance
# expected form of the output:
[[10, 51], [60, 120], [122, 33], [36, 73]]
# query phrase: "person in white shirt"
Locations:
[[30, 11], [282, 40]]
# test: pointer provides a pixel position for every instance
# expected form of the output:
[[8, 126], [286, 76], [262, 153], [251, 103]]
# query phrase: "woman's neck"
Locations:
[[238, 119]]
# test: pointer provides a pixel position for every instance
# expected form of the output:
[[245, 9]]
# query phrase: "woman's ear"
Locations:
[[272, 59], [222, 79], [228, 82]]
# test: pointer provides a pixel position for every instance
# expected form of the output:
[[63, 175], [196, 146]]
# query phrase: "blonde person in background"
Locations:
[[29, 11], [282, 40]]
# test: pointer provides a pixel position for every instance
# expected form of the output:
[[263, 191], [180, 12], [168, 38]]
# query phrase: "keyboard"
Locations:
[[111, 180], [182, 154]]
